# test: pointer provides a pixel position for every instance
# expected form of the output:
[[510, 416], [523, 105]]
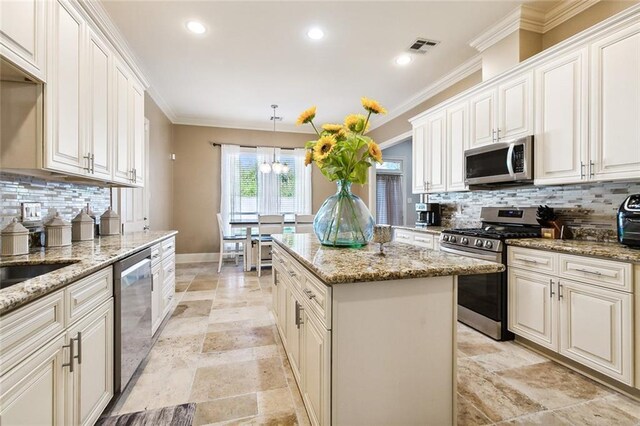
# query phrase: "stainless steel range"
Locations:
[[482, 299]]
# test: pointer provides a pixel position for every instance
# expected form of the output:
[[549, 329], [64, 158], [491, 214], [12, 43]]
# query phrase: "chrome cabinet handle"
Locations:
[[299, 309], [309, 293], [591, 166], [493, 135], [93, 163], [88, 158], [587, 271], [560, 293], [582, 170], [526, 259], [71, 356], [552, 293], [79, 340], [498, 135]]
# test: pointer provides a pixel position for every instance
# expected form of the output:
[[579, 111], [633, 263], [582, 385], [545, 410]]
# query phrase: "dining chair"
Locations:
[[268, 224], [238, 240], [304, 223]]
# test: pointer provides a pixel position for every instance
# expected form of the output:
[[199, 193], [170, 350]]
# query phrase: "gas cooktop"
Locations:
[[498, 233]]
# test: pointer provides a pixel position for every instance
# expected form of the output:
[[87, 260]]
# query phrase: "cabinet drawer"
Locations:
[[425, 241], [605, 273], [291, 270], [169, 266], [27, 329], [87, 294], [318, 297], [156, 253], [403, 236], [168, 247], [532, 260]]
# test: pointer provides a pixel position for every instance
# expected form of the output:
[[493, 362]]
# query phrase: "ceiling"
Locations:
[[255, 54]]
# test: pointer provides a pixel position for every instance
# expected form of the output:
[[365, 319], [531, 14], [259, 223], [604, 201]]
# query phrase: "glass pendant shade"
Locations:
[[265, 167], [285, 168], [277, 167]]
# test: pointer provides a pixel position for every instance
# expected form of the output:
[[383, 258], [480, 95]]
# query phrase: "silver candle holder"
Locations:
[[382, 235]]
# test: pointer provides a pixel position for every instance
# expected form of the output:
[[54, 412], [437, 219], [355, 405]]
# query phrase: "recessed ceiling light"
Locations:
[[315, 33], [404, 59], [196, 27]]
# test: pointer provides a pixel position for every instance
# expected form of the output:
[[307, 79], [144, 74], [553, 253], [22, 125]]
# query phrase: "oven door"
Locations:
[[499, 162]]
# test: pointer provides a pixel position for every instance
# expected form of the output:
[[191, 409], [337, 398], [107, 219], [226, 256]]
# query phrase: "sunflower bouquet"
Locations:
[[342, 151], [344, 154]]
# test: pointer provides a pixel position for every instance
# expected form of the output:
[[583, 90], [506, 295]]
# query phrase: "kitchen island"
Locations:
[[371, 339]]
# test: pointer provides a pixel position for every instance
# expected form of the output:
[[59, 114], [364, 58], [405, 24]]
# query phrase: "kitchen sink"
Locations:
[[14, 274]]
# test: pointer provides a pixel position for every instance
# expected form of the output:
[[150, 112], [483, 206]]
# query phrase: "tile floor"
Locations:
[[221, 351]]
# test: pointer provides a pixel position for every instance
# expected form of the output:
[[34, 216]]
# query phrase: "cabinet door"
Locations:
[[98, 142], [33, 392], [92, 377], [561, 120], [157, 307], [64, 145], [23, 35], [418, 158], [293, 324], [532, 307], [483, 118], [168, 284], [596, 328], [316, 364], [457, 142], [515, 107], [435, 153], [615, 106], [137, 133], [121, 127]]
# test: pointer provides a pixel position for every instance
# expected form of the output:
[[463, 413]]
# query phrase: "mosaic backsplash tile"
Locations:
[[589, 209], [63, 197]]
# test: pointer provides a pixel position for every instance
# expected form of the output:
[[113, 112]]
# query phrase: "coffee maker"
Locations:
[[427, 214]]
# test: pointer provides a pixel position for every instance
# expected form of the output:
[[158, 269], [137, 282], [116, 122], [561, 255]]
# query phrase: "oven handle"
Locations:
[[491, 258], [510, 160]]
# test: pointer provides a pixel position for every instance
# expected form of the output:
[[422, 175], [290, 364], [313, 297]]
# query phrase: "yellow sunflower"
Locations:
[[332, 128], [355, 122], [375, 152], [323, 147], [373, 106], [306, 116], [308, 157]]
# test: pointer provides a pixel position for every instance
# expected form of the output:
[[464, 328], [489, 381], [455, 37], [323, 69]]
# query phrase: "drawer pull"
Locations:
[[528, 259], [79, 340], [157, 255], [587, 271], [551, 293], [170, 270], [292, 274], [71, 356], [309, 293], [299, 308]]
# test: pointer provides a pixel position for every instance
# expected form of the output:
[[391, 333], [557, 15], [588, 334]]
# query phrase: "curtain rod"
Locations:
[[214, 144]]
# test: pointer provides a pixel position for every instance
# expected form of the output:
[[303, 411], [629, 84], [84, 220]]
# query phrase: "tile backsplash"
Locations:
[[589, 209], [63, 197]]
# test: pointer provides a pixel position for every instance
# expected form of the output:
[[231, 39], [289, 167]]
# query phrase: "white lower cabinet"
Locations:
[[316, 362], [156, 296], [163, 278], [293, 321], [69, 379], [589, 323], [417, 238]]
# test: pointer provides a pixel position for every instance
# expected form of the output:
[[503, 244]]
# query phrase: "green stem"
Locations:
[[314, 128], [364, 128], [340, 199], [355, 219]]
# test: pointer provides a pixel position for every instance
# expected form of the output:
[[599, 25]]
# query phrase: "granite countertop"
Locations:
[[88, 257], [436, 230], [402, 261], [613, 251]]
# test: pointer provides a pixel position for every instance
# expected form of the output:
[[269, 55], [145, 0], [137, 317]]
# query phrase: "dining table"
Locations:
[[249, 224]]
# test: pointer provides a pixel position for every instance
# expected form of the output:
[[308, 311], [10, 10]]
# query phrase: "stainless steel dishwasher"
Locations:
[[133, 338]]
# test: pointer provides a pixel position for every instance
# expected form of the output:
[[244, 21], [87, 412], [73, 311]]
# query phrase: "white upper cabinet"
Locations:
[[419, 185], [64, 149], [515, 107], [98, 143], [435, 152], [121, 103], [457, 141], [137, 138], [483, 118], [23, 26], [561, 120], [615, 105]]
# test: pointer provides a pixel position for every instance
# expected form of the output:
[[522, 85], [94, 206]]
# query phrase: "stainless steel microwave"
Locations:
[[500, 163]]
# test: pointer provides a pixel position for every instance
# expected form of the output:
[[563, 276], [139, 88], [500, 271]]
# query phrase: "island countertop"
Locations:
[[88, 257], [402, 261]]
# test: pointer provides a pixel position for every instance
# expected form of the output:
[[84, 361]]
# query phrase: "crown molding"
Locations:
[[162, 104], [461, 72], [523, 17], [396, 140], [101, 18], [239, 125], [565, 11]]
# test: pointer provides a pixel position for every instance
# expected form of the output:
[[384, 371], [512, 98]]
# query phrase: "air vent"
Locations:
[[423, 45]]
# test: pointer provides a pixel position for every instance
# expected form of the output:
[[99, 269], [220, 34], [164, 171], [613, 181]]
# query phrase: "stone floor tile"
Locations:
[[225, 409], [511, 355], [196, 308], [240, 314], [202, 285], [600, 412], [552, 385], [238, 339], [469, 415], [211, 359], [542, 418], [159, 390], [198, 295], [185, 327], [275, 401], [236, 379], [174, 352]]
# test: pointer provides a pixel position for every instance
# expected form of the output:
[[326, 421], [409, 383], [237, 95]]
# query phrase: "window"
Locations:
[[247, 192], [389, 193]]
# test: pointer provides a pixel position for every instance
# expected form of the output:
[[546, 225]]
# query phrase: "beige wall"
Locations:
[[501, 56], [596, 13], [160, 167], [197, 180]]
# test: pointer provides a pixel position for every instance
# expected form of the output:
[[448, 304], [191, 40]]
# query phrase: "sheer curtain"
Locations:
[[389, 199], [303, 182], [268, 183], [229, 182]]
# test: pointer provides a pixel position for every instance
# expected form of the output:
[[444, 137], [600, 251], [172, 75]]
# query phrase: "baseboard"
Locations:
[[197, 257]]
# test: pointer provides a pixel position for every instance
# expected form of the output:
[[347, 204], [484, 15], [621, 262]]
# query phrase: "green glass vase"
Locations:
[[343, 219]]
